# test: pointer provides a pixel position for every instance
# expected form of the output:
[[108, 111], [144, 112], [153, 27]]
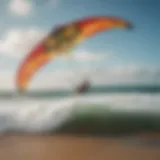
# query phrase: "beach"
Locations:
[[72, 147]]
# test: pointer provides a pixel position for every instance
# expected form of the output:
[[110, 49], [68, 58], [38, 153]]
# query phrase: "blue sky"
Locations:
[[138, 47]]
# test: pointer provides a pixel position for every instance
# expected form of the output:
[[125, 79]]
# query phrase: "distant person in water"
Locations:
[[82, 88]]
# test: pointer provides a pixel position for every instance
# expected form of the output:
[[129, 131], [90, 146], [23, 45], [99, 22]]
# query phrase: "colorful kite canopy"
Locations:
[[61, 40]]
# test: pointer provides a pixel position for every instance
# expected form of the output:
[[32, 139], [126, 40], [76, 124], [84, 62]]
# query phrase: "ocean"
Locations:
[[103, 109]]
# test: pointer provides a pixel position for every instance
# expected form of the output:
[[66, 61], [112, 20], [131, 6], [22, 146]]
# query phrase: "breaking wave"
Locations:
[[37, 115]]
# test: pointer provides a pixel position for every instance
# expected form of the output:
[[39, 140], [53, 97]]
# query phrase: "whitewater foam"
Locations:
[[35, 115]]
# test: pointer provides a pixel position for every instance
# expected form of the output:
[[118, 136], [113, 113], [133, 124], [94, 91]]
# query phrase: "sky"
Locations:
[[24, 22]]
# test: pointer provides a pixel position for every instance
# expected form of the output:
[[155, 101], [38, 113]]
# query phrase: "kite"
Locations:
[[61, 40]]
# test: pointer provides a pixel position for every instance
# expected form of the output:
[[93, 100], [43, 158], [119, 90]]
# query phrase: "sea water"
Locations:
[[46, 110]]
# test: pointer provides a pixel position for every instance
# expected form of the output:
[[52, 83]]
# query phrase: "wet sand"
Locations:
[[63, 147]]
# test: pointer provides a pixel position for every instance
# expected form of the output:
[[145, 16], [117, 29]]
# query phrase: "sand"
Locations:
[[65, 147]]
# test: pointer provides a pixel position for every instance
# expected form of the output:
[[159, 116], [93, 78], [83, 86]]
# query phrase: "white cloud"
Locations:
[[129, 74], [20, 7], [18, 42], [83, 56], [118, 75], [67, 79], [59, 79]]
